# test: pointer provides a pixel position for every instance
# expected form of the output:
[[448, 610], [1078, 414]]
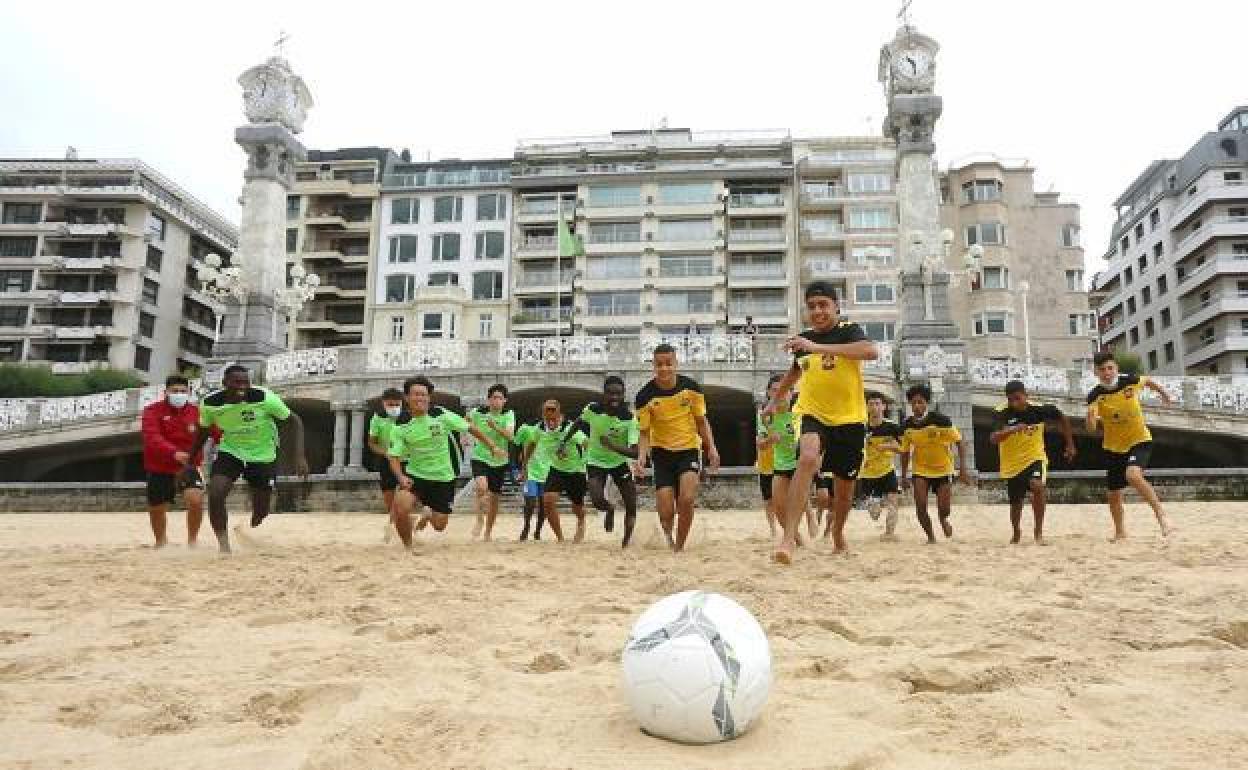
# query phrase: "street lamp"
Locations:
[[1023, 288]]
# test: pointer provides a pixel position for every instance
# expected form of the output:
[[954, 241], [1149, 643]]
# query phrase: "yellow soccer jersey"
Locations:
[[1121, 415], [669, 414], [830, 389], [1020, 450], [877, 462], [766, 457], [930, 441]]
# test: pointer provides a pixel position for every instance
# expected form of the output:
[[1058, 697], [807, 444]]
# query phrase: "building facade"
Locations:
[[441, 263], [1027, 298], [1175, 289], [332, 216], [97, 267]]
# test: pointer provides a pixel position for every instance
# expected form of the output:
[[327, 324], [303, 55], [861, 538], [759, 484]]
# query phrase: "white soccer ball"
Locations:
[[697, 668]]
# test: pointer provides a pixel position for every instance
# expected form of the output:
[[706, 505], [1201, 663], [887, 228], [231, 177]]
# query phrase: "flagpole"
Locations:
[[558, 263]]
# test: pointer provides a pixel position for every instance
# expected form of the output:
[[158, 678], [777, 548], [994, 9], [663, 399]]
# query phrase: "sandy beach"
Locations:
[[319, 647]]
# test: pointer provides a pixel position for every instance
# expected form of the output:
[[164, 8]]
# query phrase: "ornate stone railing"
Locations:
[[1038, 379], [298, 364], [884, 363], [701, 348], [13, 413], [82, 407], [415, 356], [531, 351]]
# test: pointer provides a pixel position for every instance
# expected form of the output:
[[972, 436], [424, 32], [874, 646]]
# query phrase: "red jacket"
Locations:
[[165, 431]]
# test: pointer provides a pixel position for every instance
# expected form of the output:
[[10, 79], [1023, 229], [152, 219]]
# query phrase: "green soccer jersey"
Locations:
[[481, 419], [538, 466], [380, 426], [620, 428], [573, 455], [422, 444], [249, 427], [784, 451]]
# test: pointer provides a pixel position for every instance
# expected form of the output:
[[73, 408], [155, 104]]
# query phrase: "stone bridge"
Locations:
[[95, 438]]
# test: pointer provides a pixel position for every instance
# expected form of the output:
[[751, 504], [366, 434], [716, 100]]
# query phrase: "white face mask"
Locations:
[[178, 400], [394, 411]]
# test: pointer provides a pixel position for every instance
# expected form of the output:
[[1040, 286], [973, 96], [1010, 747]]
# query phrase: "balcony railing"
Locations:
[[541, 315], [1206, 229], [760, 309], [613, 310], [543, 208], [633, 237], [687, 308], [669, 268], [769, 235], [830, 230], [539, 242], [619, 274], [449, 178], [528, 280], [777, 271], [756, 200]]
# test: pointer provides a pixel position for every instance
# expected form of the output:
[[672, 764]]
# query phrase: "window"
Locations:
[[615, 303], [1169, 351], [1149, 328], [292, 206], [1232, 177], [1165, 318], [686, 230], [880, 331], [396, 328], [431, 325], [686, 192], [981, 190], [1124, 244], [109, 249], [22, 213], [880, 256], [1130, 305], [871, 219], [1143, 263], [292, 240], [443, 279], [682, 302], [155, 258], [18, 247], [1238, 212], [1158, 251], [12, 281], [613, 267], [151, 291], [446, 247], [11, 350], [1152, 359], [13, 315], [1154, 219], [1074, 280], [487, 284], [142, 358], [1242, 288], [617, 195], [985, 233], [448, 208], [614, 232], [678, 267], [147, 324], [1139, 232], [400, 288], [1072, 325], [155, 228], [1239, 250], [490, 244], [403, 248], [1135, 335], [485, 326], [1206, 336], [1146, 295], [1070, 236], [1180, 272], [491, 207], [996, 278], [1162, 285], [992, 323], [873, 294], [870, 183], [404, 211], [1128, 276]]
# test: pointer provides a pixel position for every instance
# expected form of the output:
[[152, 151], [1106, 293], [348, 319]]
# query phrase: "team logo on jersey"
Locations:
[[1128, 393], [248, 415]]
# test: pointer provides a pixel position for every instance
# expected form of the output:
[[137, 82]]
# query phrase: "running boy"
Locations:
[[170, 427], [926, 443], [380, 425], [877, 481], [1019, 437], [535, 462], [489, 468], [613, 435]]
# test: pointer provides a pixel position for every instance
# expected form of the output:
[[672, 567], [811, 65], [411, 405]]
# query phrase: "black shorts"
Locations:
[[258, 475], [570, 485], [494, 475], [437, 496], [878, 487], [824, 479], [1018, 486], [934, 483], [1118, 462], [842, 445], [162, 488], [619, 474], [386, 478], [764, 485], [670, 465]]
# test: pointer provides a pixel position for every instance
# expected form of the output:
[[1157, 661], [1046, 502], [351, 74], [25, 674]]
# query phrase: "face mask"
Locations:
[[178, 400], [393, 411]]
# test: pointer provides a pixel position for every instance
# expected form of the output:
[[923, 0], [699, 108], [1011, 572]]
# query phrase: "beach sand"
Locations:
[[321, 648]]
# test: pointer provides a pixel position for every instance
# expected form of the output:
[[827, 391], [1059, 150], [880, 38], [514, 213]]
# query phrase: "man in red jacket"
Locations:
[[170, 427]]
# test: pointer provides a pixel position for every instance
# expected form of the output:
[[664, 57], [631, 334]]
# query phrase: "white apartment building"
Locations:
[[1175, 289], [443, 253], [97, 267]]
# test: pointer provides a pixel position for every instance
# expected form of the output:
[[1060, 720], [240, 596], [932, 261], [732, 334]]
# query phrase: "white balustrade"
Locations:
[[701, 348], [1039, 379], [884, 363], [416, 356], [298, 364], [82, 407], [13, 412], [532, 351], [1220, 396]]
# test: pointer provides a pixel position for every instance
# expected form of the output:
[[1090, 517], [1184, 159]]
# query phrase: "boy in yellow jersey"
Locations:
[[877, 481], [671, 413], [765, 464], [1019, 437], [1128, 444], [827, 361], [926, 442]]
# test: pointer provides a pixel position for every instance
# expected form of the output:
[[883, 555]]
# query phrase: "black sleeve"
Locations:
[[1050, 412], [850, 332], [643, 397], [1094, 394], [999, 418], [1128, 379]]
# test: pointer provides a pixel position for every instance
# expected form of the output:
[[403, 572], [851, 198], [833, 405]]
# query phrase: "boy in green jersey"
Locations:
[[535, 465], [380, 425], [490, 468], [778, 431], [613, 435], [420, 457], [565, 468], [247, 418]]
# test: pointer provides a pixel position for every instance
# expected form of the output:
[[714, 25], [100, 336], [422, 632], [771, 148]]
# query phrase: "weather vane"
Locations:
[[280, 45], [904, 13]]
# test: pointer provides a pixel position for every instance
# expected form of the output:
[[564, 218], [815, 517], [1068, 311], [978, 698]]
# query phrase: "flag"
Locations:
[[569, 244]]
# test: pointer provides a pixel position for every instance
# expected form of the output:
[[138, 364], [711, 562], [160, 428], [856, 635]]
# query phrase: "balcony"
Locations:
[[325, 219], [1197, 313], [335, 291], [756, 204], [327, 185], [741, 239], [1206, 194], [86, 332], [444, 293], [758, 274], [1220, 227], [1205, 350], [1222, 265], [87, 297], [200, 328], [537, 246], [544, 211], [815, 234], [461, 177], [77, 367], [617, 244], [331, 325], [541, 318], [764, 313], [837, 159], [94, 230]]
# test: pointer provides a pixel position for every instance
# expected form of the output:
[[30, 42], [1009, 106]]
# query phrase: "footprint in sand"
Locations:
[[546, 663], [274, 710], [1235, 633]]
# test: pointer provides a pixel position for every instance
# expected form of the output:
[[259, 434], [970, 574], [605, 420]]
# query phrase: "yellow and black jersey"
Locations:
[[877, 462], [830, 389], [669, 415], [1121, 415], [930, 441], [1020, 450], [766, 461]]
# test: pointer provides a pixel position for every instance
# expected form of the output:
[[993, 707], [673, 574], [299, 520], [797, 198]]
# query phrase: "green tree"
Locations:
[[1129, 363], [18, 381]]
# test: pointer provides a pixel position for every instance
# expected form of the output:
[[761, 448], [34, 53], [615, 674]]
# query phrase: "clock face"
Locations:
[[913, 63]]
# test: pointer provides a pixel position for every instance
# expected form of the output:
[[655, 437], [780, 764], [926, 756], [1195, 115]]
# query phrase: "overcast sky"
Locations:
[[1089, 91]]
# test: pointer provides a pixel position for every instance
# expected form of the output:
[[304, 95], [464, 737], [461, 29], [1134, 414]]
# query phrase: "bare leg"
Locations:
[[218, 489], [840, 513], [944, 506], [261, 504], [799, 492], [578, 510], [194, 514], [1135, 477], [811, 525], [665, 501], [823, 503], [530, 504], [920, 508], [1039, 501], [387, 499], [483, 495], [491, 514], [1118, 513], [628, 491], [156, 516], [686, 498], [769, 509], [890, 517], [779, 493], [550, 502], [598, 496], [439, 521], [1016, 522], [404, 503]]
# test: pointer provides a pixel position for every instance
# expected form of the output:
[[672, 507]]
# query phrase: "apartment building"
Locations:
[[443, 255], [332, 216], [1030, 281], [97, 267], [680, 229], [1175, 289]]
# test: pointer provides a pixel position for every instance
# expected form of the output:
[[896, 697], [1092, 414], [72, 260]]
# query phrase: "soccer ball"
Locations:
[[697, 668]]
